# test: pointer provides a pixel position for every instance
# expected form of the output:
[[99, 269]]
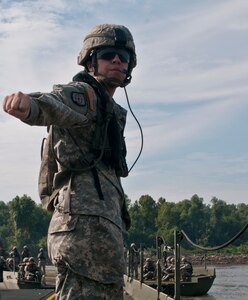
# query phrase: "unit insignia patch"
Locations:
[[78, 98]]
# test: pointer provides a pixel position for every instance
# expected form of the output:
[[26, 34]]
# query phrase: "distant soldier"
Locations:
[[186, 269], [25, 252], [149, 269], [169, 271], [16, 257], [21, 271], [135, 260], [32, 271], [42, 261]]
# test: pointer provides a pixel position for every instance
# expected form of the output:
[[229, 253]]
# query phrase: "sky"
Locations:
[[189, 91]]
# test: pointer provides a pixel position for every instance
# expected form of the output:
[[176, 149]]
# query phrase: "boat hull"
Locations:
[[12, 282], [201, 282]]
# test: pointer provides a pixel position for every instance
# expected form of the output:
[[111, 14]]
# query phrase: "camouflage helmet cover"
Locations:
[[108, 35]]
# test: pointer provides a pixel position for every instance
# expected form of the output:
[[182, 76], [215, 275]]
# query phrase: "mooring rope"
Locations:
[[217, 247]]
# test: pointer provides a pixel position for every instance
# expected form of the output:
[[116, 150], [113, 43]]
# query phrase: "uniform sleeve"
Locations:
[[66, 106]]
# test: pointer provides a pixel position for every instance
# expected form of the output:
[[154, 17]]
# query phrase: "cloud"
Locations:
[[189, 90]]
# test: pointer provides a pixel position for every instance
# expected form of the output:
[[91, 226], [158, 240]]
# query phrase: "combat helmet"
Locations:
[[108, 35]]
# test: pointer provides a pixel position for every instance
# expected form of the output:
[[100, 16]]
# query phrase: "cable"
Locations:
[[141, 132], [217, 247]]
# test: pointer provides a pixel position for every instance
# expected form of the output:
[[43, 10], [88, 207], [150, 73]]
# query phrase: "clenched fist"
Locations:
[[17, 105]]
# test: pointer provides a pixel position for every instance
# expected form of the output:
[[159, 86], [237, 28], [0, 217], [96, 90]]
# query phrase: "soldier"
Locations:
[[25, 252], [81, 168], [42, 261], [186, 269], [16, 257], [32, 272], [22, 266], [135, 260], [149, 269], [169, 271]]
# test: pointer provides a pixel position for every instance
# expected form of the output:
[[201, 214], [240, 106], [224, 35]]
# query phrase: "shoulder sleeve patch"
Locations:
[[78, 98]]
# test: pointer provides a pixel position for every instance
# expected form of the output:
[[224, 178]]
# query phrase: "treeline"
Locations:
[[206, 225], [24, 222]]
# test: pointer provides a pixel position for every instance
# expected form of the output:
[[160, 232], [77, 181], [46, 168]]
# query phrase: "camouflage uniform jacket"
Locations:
[[66, 110], [73, 107]]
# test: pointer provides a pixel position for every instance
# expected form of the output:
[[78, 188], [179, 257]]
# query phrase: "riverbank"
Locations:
[[219, 259]]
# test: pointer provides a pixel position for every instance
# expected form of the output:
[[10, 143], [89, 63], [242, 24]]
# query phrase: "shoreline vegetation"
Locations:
[[219, 259]]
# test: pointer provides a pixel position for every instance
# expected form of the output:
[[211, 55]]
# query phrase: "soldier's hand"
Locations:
[[17, 105]]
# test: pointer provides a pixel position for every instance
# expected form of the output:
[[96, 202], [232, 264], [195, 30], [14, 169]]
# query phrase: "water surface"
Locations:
[[231, 283]]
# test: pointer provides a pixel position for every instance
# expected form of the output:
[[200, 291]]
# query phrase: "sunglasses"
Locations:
[[110, 53]]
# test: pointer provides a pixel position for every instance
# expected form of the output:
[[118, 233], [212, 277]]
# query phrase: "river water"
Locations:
[[231, 283]]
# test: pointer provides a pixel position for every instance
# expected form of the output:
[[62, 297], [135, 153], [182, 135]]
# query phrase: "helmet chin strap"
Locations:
[[111, 82]]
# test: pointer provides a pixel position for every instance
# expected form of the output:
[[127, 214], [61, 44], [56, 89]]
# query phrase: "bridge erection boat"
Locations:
[[200, 283]]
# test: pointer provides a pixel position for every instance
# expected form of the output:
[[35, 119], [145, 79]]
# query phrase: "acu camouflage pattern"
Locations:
[[93, 248], [85, 232], [52, 175], [77, 287]]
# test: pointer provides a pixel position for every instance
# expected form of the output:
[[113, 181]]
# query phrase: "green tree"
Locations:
[[5, 228], [143, 227], [23, 221], [167, 219], [21, 215], [135, 231], [242, 216], [194, 219], [224, 223], [149, 212], [29, 222]]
